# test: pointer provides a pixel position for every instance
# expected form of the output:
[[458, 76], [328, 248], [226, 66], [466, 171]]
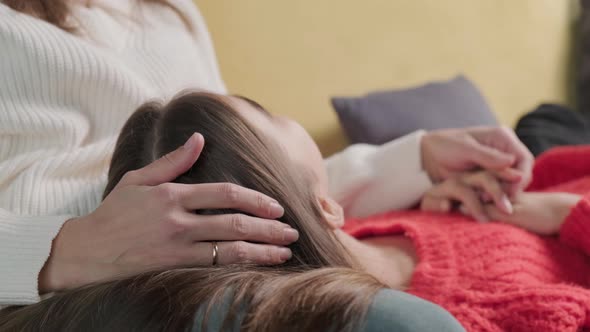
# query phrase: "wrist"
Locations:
[[60, 271]]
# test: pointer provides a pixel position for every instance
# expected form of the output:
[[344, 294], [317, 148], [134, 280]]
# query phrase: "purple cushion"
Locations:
[[379, 117]]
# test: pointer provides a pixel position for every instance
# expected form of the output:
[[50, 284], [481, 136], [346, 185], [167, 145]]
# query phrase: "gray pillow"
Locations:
[[379, 117], [397, 311]]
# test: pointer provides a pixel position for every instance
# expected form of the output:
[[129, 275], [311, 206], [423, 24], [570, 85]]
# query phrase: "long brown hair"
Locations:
[[319, 289], [57, 12]]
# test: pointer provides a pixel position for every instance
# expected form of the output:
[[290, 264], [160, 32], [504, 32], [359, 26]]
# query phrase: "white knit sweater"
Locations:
[[64, 98]]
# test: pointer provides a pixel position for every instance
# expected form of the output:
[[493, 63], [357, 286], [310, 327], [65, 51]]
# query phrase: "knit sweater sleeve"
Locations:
[[367, 179], [25, 243], [560, 165], [575, 231]]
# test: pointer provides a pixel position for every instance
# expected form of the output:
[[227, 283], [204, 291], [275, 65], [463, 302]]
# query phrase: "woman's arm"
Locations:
[[368, 179]]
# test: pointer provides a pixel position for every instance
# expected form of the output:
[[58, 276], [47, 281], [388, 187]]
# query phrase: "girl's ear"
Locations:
[[332, 212]]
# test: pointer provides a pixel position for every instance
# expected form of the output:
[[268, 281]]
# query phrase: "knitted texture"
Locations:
[[497, 277]]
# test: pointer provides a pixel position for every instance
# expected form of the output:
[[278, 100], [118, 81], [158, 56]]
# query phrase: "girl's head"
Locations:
[[244, 145]]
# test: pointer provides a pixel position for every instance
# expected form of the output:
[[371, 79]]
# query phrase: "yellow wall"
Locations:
[[293, 55]]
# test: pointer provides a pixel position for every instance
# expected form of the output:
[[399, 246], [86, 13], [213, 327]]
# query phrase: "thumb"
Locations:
[[170, 166], [436, 204], [490, 158]]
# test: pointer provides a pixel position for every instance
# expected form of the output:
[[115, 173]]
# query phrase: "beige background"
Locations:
[[293, 55]]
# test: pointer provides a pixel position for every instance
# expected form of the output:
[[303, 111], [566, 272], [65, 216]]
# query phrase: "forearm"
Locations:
[[367, 179]]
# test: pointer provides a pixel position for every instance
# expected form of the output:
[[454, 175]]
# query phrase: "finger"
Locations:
[[525, 165], [524, 159], [510, 178], [508, 174], [467, 196], [513, 188], [513, 181], [490, 158], [487, 183], [232, 227], [437, 204], [168, 167], [203, 253], [228, 196], [245, 252], [485, 197], [496, 214]]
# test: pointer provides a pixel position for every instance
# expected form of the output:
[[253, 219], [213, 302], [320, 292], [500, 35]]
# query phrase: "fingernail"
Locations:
[[507, 205], [276, 209], [285, 254], [290, 235], [191, 142]]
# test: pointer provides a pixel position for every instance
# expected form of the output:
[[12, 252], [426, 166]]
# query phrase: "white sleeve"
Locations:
[[25, 244], [367, 179]]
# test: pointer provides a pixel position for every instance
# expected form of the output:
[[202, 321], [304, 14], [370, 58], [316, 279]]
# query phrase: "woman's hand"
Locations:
[[470, 191], [446, 153], [541, 213], [146, 223]]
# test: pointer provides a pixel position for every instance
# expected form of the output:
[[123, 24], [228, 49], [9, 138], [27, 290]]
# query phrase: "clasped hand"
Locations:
[[482, 172]]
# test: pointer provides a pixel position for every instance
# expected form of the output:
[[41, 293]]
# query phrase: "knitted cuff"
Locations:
[[25, 245], [575, 231]]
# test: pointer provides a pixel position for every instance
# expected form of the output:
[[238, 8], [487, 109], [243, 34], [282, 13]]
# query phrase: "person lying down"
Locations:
[[525, 271]]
